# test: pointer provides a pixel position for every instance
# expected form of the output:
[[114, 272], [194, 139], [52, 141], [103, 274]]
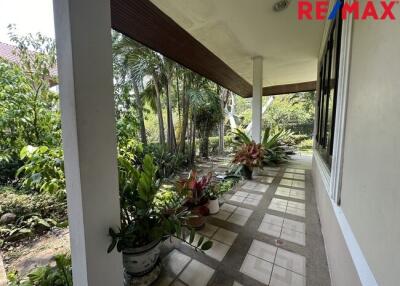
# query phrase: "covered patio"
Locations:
[[268, 232]]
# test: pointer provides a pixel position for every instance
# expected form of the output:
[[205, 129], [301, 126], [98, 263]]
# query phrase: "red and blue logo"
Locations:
[[319, 10]]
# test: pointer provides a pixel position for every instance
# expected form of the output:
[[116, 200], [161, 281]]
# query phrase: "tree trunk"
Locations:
[[232, 113], [159, 110], [139, 105], [171, 140], [193, 141], [204, 143], [185, 119], [221, 129]]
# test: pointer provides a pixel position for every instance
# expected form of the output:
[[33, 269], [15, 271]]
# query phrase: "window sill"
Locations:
[[324, 171]]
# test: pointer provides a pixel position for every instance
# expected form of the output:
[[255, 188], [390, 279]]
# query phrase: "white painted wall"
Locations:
[[362, 235], [341, 266], [371, 170]]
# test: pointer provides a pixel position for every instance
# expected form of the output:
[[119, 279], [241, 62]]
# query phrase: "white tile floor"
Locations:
[[285, 206], [298, 177], [290, 193], [266, 263], [233, 214], [255, 187], [274, 266], [292, 183], [283, 277], [296, 171], [246, 198], [196, 274], [222, 240], [257, 268], [179, 268], [284, 228]]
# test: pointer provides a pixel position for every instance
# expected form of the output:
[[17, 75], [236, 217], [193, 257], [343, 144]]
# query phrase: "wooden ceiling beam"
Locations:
[[144, 22], [289, 88]]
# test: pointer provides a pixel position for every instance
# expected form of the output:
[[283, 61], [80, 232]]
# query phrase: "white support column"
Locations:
[[83, 34], [256, 102]]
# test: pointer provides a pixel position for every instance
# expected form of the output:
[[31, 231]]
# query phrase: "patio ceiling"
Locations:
[[218, 39]]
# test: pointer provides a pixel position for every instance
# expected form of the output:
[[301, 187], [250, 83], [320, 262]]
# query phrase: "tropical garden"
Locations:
[[168, 119]]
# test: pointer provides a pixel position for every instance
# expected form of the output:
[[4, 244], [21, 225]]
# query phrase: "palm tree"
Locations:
[[167, 69], [124, 49], [206, 112]]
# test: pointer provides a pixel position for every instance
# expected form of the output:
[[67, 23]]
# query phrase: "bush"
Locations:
[[13, 201], [167, 162], [35, 213], [8, 168], [214, 143], [306, 144], [43, 170], [58, 275]]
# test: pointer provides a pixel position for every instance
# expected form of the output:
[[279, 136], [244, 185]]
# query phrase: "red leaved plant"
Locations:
[[250, 155], [195, 187]]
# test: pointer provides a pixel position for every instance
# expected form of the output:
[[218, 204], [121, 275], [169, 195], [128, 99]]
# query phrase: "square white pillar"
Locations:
[[83, 34], [256, 102]]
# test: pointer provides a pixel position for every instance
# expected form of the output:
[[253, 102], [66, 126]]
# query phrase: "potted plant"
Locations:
[[249, 156], [144, 224], [213, 193], [195, 188]]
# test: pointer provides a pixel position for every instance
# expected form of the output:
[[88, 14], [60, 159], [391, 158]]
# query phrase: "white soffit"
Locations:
[[237, 30]]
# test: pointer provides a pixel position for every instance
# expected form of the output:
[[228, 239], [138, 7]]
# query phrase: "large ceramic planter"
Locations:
[[142, 260], [247, 173], [213, 206]]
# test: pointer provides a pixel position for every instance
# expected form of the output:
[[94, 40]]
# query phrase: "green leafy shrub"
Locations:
[[25, 226], [58, 275], [13, 201], [228, 184], [35, 213], [43, 170], [214, 143], [220, 188], [306, 145], [294, 139], [167, 162], [142, 219], [9, 166]]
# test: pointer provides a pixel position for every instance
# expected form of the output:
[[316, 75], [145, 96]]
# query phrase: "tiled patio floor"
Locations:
[[266, 233]]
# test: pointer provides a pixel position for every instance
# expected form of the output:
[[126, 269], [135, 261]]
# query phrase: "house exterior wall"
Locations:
[[371, 168], [341, 267], [370, 196]]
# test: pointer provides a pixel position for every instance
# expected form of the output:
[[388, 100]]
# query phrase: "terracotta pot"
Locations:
[[201, 210], [141, 260], [199, 220]]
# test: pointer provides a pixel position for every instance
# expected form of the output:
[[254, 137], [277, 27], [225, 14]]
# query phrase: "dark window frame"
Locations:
[[328, 91]]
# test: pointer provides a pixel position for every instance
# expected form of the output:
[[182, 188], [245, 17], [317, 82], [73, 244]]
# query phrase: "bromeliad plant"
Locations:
[[143, 221], [249, 156], [274, 151], [195, 187]]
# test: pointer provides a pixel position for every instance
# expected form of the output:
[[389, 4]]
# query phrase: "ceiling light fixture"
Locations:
[[281, 5]]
